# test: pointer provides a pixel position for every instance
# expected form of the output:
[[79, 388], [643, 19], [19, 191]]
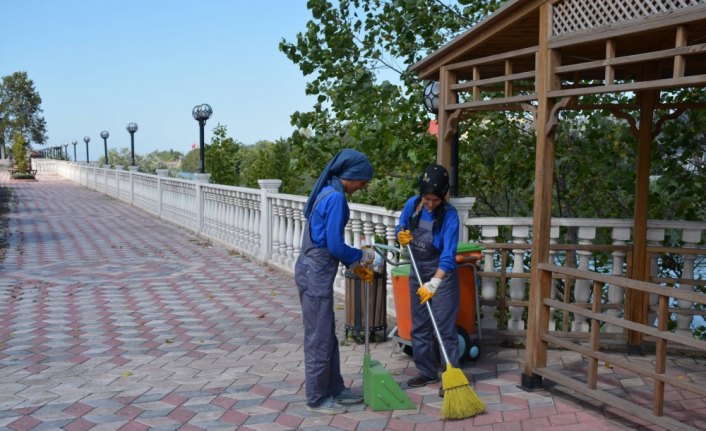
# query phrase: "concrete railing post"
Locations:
[[266, 217]]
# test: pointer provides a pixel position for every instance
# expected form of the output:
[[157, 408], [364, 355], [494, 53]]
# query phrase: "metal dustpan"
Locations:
[[380, 390]]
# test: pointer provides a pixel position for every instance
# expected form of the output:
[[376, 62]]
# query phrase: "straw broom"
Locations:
[[460, 402]]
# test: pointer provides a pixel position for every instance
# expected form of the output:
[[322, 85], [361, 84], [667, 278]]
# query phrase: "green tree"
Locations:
[[224, 158], [272, 160], [357, 53], [190, 162], [19, 153], [20, 111]]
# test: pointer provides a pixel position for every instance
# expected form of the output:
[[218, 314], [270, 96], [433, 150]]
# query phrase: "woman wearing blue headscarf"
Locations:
[[323, 249]]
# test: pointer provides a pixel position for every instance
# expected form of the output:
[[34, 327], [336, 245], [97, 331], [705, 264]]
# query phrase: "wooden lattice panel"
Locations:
[[575, 15]]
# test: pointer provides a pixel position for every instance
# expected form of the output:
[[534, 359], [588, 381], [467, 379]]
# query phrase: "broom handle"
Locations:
[[433, 321], [366, 286]]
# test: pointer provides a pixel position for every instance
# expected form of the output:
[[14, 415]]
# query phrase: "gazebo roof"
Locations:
[[580, 36]]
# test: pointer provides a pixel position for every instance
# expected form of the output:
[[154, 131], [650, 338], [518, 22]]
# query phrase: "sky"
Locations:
[[101, 64]]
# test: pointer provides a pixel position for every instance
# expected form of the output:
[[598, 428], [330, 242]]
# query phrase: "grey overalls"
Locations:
[[314, 274], [444, 304]]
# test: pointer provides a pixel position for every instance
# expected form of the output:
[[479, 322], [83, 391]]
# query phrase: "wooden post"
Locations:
[[540, 281], [444, 138], [636, 303]]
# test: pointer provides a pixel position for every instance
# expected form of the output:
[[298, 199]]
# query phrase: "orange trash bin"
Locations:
[[467, 256]]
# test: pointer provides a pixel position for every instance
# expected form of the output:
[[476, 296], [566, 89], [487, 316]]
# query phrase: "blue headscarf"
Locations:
[[347, 165]]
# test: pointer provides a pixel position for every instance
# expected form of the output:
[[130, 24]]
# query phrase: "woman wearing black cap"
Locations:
[[429, 226]]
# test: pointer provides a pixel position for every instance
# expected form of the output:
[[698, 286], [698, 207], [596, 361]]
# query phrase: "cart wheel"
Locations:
[[464, 342], [473, 351], [406, 349]]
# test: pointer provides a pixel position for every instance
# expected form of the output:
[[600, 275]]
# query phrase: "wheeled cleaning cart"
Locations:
[[467, 322]]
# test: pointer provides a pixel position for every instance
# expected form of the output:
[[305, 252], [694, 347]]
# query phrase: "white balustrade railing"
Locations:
[[268, 226], [573, 243]]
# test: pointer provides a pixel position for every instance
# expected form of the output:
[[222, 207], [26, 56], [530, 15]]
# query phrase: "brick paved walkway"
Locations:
[[114, 320]]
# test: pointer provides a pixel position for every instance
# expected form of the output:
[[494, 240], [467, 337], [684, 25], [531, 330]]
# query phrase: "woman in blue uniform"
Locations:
[[323, 248], [429, 226]]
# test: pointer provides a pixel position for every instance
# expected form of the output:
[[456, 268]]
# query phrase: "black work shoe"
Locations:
[[421, 380]]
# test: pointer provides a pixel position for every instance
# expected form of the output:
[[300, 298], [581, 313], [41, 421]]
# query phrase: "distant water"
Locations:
[[186, 175]]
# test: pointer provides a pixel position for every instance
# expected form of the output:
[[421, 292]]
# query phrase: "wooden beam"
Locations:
[[633, 59], [446, 98], [609, 53], [540, 281], [508, 73], [650, 84], [679, 60], [636, 303]]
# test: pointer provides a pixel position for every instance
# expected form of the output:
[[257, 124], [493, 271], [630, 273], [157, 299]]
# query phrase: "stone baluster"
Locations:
[[616, 294], [390, 237], [257, 220], [237, 202], [691, 238], [276, 221], [290, 233], [249, 221], [489, 289], [518, 285], [356, 231], [298, 227], [582, 289], [368, 232], [655, 238], [282, 234], [380, 230]]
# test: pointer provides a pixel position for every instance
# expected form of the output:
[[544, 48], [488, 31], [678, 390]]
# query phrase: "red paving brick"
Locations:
[[116, 314]]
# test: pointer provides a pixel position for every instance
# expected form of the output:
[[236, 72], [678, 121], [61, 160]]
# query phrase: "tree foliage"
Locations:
[[20, 110], [357, 53], [19, 152], [271, 160], [224, 157]]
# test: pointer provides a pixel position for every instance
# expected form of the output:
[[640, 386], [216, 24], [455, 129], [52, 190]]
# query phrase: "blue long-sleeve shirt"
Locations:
[[326, 227], [445, 240]]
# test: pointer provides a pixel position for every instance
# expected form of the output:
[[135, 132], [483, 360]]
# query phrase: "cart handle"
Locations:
[[389, 248]]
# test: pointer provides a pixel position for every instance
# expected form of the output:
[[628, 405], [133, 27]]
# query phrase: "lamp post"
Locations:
[[431, 102], [74, 142], [132, 128], [66, 150], [86, 139], [202, 113], [104, 135]]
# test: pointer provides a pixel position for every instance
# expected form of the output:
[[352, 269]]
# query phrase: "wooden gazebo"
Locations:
[[544, 56]]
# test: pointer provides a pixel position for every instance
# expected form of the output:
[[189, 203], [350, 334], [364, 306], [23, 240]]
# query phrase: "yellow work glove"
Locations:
[[404, 237], [365, 274], [428, 289]]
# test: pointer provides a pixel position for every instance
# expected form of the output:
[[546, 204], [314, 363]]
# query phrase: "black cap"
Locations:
[[434, 179]]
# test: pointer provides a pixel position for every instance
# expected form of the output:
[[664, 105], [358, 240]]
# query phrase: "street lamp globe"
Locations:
[[87, 139], [202, 113], [104, 135], [132, 128], [431, 97]]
